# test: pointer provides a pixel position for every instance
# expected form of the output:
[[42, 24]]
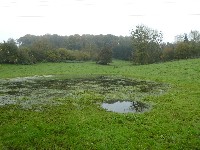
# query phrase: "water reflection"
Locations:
[[125, 106]]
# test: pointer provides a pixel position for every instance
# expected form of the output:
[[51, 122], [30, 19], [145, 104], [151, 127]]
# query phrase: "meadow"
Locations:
[[79, 123]]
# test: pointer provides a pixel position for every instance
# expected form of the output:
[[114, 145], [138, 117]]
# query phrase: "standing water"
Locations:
[[126, 106]]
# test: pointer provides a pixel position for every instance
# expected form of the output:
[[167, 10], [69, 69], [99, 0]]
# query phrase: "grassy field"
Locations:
[[173, 123]]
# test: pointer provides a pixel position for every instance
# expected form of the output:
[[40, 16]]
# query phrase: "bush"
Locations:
[[25, 56], [182, 50]]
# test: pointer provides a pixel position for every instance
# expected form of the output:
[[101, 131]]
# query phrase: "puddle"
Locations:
[[46, 90], [126, 106]]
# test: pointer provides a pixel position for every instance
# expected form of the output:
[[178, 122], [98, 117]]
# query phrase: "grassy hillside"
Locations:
[[173, 123]]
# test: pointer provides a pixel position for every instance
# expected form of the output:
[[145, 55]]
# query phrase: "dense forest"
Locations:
[[54, 48], [143, 46]]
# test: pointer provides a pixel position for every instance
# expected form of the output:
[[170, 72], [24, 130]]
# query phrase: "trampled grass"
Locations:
[[173, 123]]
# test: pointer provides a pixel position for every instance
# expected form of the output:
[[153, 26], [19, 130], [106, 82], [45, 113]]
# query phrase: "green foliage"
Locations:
[[182, 50], [142, 47], [188, 47], [52, 56], [194, 37], [25, 56], [195, 49], [105, 55], [64, 55], [146, 44], [168, 52], [91, 44], [39, 49], [123, 49], [8, 52]]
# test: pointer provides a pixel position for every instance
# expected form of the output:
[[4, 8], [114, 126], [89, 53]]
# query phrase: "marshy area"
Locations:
[[37, 91], [89, 106]]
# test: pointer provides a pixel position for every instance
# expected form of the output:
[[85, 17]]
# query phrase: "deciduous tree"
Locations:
[[105, 55], [146, 45], [8, 52]]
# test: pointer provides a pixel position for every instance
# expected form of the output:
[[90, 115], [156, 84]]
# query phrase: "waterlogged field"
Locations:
[[68, 106]]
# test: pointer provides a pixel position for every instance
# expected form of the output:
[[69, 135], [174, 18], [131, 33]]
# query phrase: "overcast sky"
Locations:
[[118, 17]]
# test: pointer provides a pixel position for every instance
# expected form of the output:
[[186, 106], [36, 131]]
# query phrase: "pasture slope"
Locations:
[[173, 123]]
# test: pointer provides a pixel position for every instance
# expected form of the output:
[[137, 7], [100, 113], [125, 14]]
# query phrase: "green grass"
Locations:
[[173, 123]]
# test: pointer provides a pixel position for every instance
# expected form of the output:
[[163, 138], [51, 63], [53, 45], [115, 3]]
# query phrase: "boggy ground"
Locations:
[[39, 91], [76, 121]]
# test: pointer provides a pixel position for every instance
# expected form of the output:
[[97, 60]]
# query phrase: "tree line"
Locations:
[[148, 46], [143, 46], [55, 48]]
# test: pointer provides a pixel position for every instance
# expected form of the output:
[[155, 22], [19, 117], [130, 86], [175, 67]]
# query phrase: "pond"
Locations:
[[38, 91], [126, 106]]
